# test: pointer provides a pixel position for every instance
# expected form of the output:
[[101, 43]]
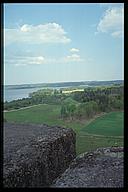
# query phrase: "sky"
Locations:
[[61, 42]]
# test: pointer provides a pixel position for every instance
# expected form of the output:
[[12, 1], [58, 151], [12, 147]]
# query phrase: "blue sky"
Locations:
[[46, 43]]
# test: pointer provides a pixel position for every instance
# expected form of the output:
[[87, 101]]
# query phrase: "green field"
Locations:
[[104, 131], [48, 114], [110, 124]]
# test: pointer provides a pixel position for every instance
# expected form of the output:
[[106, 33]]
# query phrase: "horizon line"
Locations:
[[63, 82]]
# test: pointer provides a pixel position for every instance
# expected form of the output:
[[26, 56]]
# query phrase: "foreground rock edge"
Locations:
[[100, 168]]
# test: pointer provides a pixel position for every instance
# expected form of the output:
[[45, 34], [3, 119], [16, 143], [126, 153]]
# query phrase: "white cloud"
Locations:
[[20, 64], [73, 57], [117, 34], [74, 50], [106, 4], [39, 60], [26, 28], [112, 22], [44, 33], [23, 61]]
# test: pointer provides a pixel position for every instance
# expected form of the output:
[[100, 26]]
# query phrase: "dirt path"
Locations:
[[85, 122], [103, 136], [23, 108]]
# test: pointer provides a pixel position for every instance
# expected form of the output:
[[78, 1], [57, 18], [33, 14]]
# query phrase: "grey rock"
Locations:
[[34, 155], [100, 168]]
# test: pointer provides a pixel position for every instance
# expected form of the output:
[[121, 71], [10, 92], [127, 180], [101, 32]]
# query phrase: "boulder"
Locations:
[[34, 155], [101, 168]]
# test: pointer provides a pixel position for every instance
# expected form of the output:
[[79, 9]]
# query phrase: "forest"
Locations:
[[76, 104]]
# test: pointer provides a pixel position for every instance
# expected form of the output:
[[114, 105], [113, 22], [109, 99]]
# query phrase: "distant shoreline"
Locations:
[[15, 92], [63, 84]]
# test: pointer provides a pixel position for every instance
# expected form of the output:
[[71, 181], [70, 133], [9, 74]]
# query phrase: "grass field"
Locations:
[[104, 131], [110, 124]]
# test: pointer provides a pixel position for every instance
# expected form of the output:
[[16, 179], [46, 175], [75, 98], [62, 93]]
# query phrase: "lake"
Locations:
[[14, 94]]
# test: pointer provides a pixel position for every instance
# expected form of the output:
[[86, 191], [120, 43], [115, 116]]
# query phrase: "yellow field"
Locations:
[[71, 91]]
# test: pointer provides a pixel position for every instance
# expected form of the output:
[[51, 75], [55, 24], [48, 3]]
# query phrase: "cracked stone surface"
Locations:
[[100, 168]]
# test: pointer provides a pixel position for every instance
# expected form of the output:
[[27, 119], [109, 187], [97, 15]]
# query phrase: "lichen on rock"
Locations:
[[100, 168], [34, 155]]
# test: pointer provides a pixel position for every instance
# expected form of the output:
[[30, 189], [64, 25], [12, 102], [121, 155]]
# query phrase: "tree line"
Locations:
[[101, 98], [93, 101]]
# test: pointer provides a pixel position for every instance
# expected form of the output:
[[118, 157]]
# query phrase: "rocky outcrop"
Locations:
[[100, 168], [34, 155]]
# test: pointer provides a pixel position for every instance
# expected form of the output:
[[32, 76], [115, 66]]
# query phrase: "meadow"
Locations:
[[103, 131], [110, 124]]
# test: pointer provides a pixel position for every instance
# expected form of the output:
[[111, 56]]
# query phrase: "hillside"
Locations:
[[50, 114]]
